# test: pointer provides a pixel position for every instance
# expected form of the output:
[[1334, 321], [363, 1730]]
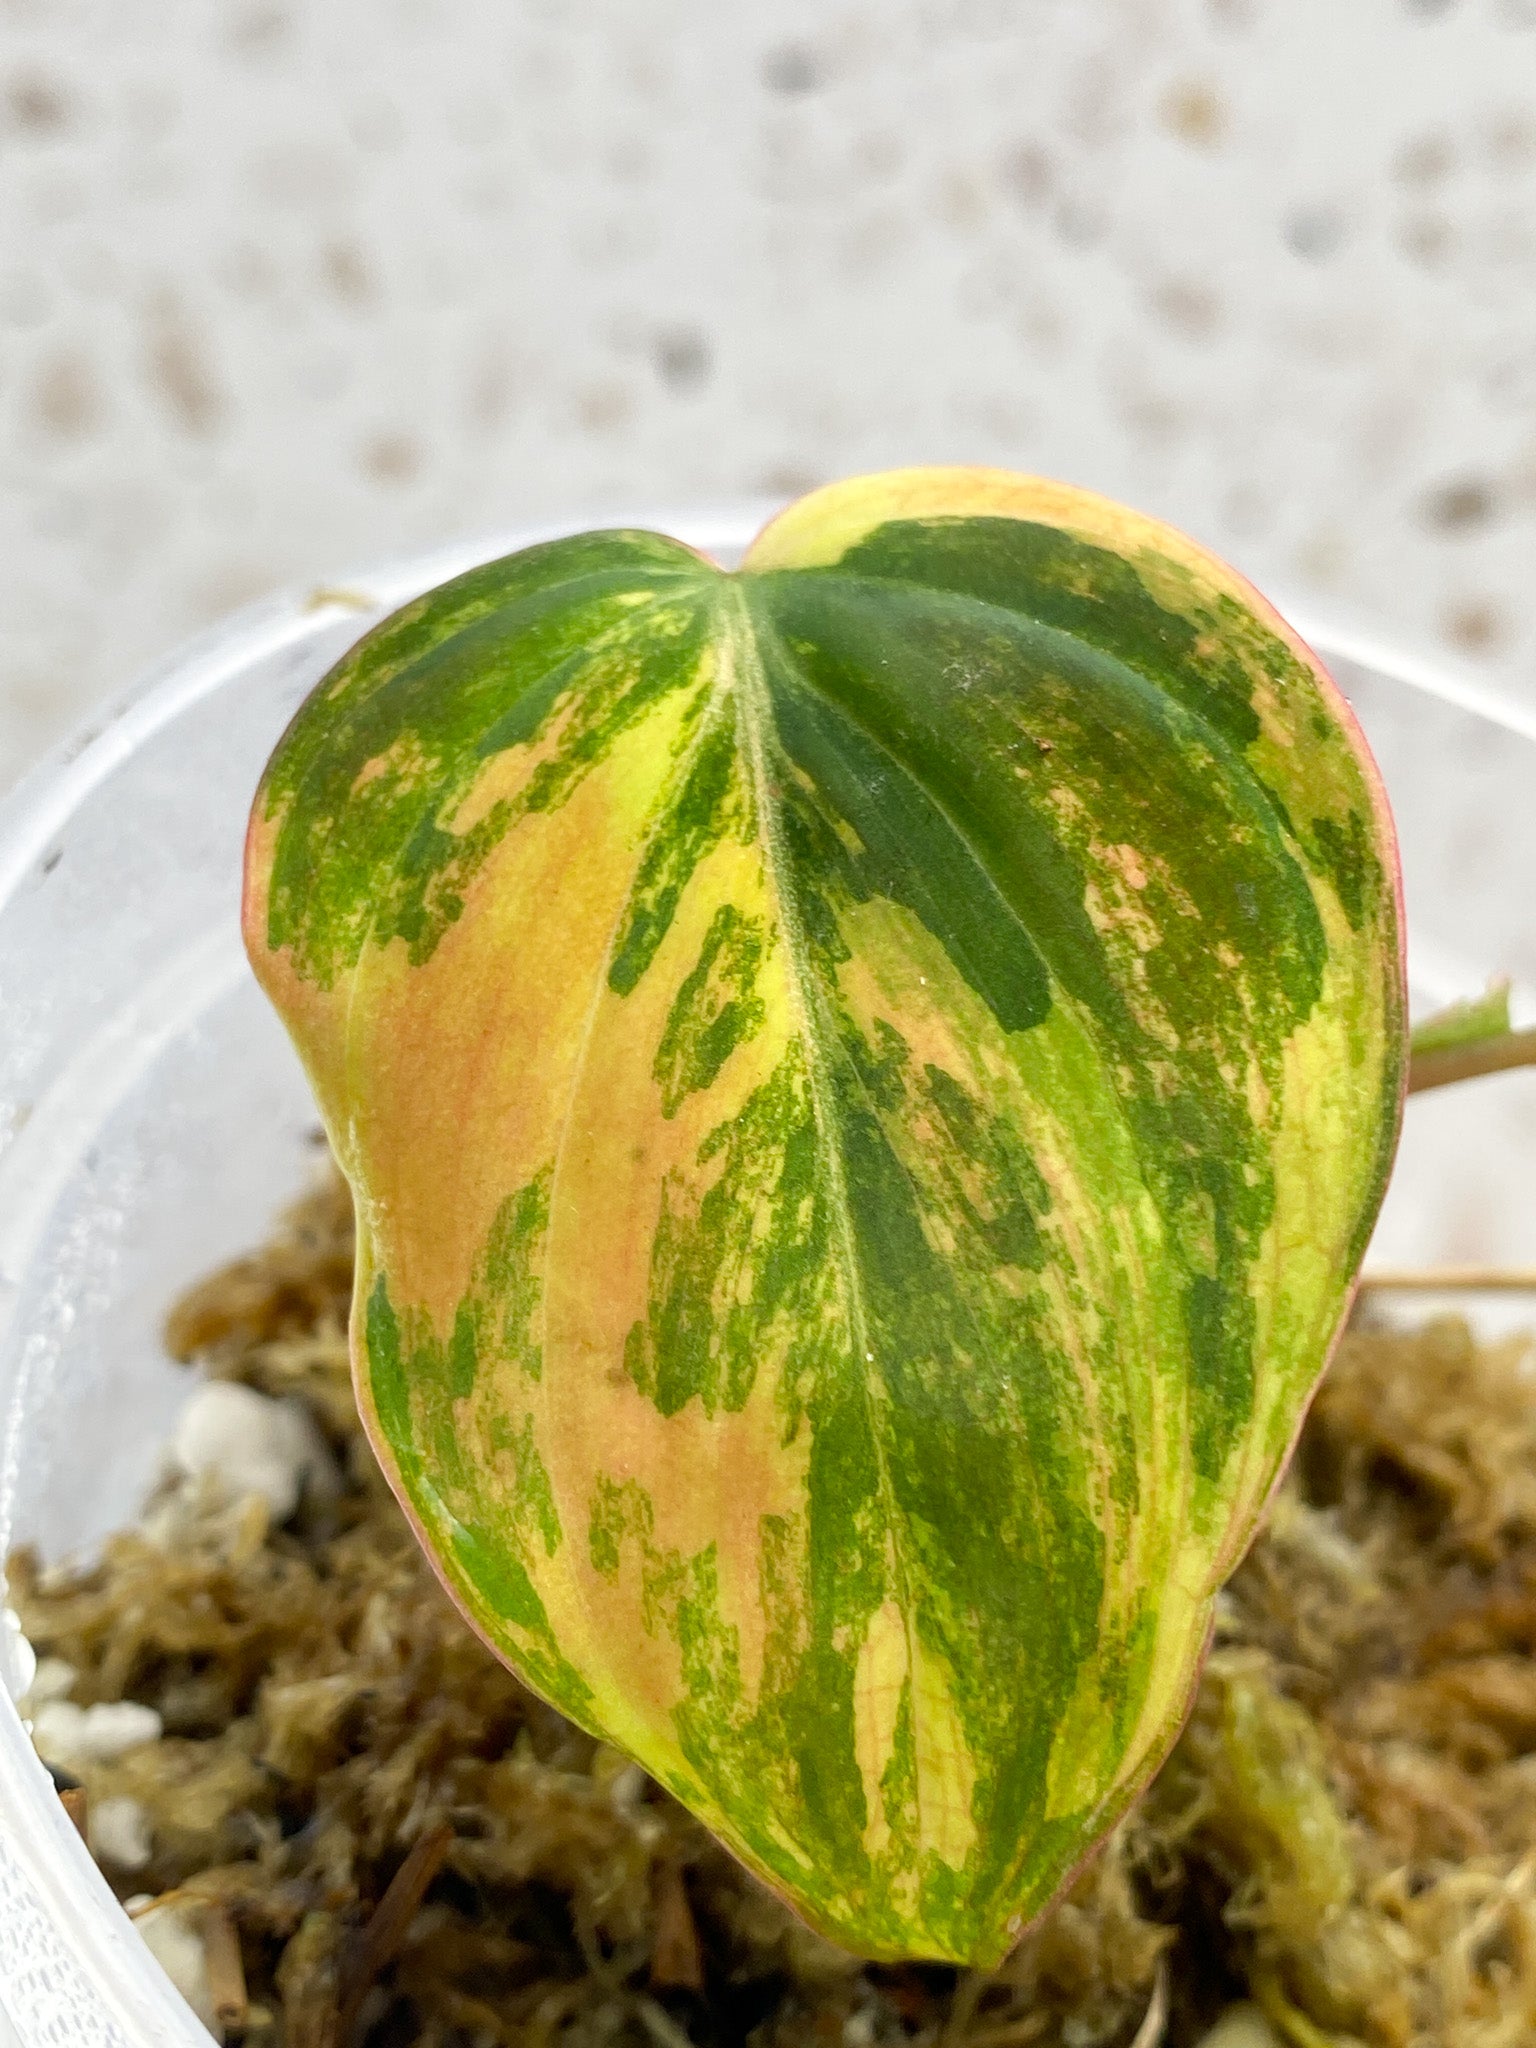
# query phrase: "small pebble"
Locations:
[[119, 1833], [64, 1733], [173, 1939], [249, 1443], [1242, 2026]]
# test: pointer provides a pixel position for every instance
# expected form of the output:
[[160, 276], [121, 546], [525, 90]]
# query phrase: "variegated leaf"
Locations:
[[866, 1083]]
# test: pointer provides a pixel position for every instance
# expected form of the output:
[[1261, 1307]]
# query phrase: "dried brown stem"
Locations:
[[380, 1941], [226, 1971], [675, 1960], [1467, 1062]]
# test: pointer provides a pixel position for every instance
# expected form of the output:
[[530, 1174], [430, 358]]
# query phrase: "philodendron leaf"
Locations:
[[866, 1082]]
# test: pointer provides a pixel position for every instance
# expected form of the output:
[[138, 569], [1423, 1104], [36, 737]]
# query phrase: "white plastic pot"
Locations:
[[152, 1117]]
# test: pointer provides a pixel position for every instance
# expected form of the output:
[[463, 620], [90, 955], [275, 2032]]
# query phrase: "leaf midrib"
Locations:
[[755, 718]]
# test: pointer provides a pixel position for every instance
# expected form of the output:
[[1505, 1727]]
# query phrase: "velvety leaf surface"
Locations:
[[866, 1083]]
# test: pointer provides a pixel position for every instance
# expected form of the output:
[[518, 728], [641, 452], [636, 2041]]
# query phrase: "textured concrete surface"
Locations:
[[285, 286]]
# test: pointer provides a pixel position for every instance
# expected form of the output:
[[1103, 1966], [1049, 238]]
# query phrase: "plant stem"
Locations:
[[675, 1960], [378, 1943], [1466, 1062], [226, 1971]]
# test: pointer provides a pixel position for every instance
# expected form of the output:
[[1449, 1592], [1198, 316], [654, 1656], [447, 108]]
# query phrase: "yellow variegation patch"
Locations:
[[866, 1082]]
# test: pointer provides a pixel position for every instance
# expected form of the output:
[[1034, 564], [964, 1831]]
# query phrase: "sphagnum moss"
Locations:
[[385, 1839]]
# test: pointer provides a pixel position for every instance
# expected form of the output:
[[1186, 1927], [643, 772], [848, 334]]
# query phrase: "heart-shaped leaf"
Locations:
[[866, 1083]]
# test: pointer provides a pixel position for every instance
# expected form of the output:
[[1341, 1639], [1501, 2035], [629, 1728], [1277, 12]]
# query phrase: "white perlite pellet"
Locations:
[[248, 1443], [64, 1733], [119, 1833], [53, 1679]]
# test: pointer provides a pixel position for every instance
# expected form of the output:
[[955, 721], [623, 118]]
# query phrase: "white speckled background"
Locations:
[[287, 284]]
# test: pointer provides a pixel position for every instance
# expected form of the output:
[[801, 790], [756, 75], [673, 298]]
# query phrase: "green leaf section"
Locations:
[[488, 1514], [988, 864], [374, 769]]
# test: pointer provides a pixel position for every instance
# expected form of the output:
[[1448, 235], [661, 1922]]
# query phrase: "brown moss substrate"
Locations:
[[1346, 1833]]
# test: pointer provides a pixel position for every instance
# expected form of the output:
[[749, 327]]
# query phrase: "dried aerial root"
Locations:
[[348, 1824]]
